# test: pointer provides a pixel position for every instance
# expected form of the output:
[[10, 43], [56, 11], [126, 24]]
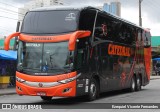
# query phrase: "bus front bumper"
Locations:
[[62, 90]]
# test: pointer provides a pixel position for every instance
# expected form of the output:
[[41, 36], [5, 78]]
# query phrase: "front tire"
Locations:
[[46, 98], [133, 84], [138, 83], [93, 90]]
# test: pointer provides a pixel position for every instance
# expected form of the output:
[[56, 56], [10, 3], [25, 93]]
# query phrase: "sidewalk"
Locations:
[[12, 90], [8, 91], [155, 77]]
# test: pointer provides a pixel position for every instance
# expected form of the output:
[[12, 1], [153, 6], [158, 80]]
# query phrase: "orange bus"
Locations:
[[75, 51]]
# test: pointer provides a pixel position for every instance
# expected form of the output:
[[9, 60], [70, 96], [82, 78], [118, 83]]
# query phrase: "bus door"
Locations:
[[82, 66]]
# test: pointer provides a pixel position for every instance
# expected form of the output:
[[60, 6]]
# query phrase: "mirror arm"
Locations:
[[74, 36], [7, 40]]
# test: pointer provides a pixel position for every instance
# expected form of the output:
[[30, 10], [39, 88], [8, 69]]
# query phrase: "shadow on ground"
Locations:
[[83, 99]]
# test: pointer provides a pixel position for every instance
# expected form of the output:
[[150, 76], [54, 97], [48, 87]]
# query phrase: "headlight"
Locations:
[[20, 80], [69, 79]]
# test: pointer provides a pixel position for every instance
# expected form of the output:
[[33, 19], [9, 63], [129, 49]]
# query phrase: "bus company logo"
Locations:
[[70, 16], [41, 38], [119, 50], [6, 106], [40, 84]]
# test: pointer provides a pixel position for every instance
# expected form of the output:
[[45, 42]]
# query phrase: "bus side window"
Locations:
[[98, 28], [81, 58], [86, 21], [125, 34], [147, 39], [101, 28], [130, 36], [80, 54], [140, 38]]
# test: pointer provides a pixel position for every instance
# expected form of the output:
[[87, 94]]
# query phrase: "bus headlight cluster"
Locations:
[[20, 80], [69, 79], [47, 84]]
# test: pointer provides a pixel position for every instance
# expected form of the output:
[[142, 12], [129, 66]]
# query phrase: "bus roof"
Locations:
[[82, 8], [60, 8]]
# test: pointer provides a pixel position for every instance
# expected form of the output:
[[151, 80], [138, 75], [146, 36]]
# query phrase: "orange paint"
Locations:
[[74, 36], [55, 90], [119, 50], [45, 78], [42, 39], [50, 91], [147, 59], [7, 40]]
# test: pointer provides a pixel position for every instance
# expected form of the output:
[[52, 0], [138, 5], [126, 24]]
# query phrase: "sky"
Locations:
[[129, 11]]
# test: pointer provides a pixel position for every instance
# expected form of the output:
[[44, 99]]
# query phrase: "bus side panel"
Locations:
[[147, 60]]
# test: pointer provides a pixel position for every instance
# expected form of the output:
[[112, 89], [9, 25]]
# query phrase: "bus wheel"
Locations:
[[46, 98], [93, 90], [133, 84], [138, 83]]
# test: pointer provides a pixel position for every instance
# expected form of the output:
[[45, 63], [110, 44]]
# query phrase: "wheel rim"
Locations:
[[133, 84], [93, 89], [138, 82]]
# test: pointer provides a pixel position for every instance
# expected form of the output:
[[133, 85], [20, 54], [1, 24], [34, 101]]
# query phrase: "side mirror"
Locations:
[[75, 36], [7, 40]]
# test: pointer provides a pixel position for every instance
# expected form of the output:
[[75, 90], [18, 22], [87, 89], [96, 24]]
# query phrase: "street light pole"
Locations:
[[140, 18]]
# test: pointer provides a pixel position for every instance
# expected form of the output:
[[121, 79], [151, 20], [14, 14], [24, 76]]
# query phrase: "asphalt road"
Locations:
[[148, 94]]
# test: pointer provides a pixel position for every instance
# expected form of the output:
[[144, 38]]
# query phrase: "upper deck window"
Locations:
[[50, 22]]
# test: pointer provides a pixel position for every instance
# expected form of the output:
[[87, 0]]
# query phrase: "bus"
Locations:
[[79, 51]]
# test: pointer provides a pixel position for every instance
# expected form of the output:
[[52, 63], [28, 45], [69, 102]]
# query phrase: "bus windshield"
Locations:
[[50, 22], [44, 57]]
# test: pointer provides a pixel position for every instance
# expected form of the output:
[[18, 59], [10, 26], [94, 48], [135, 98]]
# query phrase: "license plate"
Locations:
[[41, 93]]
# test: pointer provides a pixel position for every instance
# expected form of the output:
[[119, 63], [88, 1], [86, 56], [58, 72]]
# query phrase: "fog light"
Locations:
[[66, 90], [19, 88]]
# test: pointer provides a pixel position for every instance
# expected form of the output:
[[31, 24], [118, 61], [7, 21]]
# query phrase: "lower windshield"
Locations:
[[44, 57]]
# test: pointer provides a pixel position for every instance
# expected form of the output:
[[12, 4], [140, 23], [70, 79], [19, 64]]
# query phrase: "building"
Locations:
[[113, 7], [155, 42], [106, 7]]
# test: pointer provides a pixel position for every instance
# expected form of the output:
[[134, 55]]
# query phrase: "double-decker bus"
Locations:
[[73, 51]]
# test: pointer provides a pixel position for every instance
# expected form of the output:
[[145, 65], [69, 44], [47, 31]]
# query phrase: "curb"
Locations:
[[154, 78], [2, 94]]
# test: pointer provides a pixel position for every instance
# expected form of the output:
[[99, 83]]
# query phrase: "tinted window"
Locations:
[[87, 19], [147, 39], [104, 28], [50, 22], [82, 53], [126, 34]]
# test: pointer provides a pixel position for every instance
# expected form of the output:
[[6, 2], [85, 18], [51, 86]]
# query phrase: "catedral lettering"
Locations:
[[118, 50], [41, 38], [57, 57]]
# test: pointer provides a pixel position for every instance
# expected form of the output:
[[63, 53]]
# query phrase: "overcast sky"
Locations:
[[129, 11]]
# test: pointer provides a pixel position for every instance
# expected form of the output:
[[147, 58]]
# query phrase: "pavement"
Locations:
[[8, 91], [12, 90]]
